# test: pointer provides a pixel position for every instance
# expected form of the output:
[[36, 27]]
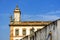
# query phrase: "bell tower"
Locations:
[[17, 14]]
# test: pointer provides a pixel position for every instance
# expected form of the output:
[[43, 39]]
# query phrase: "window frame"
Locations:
[[24, 31], [16, 32]]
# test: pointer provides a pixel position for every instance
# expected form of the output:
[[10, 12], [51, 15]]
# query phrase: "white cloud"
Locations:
[[54, 12], [52, 15], [39, 17]]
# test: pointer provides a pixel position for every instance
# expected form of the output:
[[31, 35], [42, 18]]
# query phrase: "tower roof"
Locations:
[[17, 9]]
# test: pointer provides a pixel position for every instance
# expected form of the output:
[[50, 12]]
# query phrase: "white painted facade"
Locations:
[[17, 38], [28, 28], [17, 16]]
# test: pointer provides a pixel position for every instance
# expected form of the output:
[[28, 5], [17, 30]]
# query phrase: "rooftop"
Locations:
[[30, 23]]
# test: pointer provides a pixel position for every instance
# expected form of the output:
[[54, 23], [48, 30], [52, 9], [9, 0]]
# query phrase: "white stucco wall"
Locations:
[[27, 30], [17, 38], [17, 16]]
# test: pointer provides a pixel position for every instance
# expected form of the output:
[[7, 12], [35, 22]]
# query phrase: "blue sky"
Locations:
[[36, 10]]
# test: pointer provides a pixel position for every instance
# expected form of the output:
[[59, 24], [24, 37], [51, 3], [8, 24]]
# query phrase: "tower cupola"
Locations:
[[17, 14]]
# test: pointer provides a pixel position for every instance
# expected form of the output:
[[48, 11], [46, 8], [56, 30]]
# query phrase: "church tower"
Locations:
[[17, 14], [20, 29]]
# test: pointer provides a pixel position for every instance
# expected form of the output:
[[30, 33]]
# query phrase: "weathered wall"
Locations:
[[49, 32]]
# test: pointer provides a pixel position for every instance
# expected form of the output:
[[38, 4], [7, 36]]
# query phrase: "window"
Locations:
[[20, 39], [32, 31], [38, 28], [16, 39], [17, 32], [24, 31]]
